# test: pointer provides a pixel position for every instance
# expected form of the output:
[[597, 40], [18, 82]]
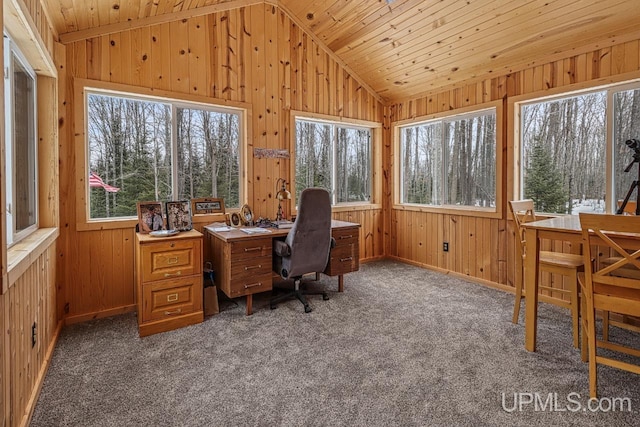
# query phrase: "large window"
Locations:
[[449, 161], [144, 149], [20, 144], [574, 153], [335, 156]]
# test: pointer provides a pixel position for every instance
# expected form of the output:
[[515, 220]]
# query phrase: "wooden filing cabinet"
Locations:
[[345, 256], [168, 281]]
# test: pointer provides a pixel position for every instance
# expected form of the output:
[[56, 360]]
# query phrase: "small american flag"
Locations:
[[96, 181]]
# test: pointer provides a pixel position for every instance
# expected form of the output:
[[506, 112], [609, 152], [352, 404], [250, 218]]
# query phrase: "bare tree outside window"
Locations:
[[353, 163], [336, 157], [450, 161], [208, 155], [132, 149]]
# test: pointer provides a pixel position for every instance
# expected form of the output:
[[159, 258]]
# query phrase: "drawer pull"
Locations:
[[251, 267], [169, 313], [257, 248], [253, 285], [346, 237], [172, 260], [177, 273], [172, 297], [346, 259]]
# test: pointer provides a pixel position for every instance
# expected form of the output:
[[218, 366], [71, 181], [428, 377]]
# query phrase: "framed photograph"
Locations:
[[150, 217], [207, 205], [179, 216]]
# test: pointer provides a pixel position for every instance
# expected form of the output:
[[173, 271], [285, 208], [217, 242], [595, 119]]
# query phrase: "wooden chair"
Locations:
[[568, 265], [605, 289]]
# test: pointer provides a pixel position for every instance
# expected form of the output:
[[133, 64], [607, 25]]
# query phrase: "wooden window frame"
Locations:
[[81, 86], [491, 212], [376, 158]]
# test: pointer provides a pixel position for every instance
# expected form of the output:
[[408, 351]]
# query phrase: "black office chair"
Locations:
[[306, 248]]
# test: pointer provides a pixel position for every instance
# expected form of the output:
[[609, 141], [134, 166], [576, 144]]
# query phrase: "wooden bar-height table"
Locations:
[[566, 228]]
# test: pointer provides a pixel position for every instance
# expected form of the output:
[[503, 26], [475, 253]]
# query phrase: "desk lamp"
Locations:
[[281, 194]]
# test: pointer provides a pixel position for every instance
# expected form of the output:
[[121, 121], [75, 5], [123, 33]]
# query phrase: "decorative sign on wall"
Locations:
[[270, 153]]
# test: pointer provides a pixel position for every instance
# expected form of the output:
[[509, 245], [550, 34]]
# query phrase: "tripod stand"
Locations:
[[634, 185]]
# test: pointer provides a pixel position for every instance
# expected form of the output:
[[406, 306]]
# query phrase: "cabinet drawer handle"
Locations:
[[258, 248], [253, 285], [346, 237], [172, 297], [346, 259], [251, 267], [169, 313], [177, 273], [172, 260]]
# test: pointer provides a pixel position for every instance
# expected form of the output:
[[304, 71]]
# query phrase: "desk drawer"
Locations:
[[257, 266], [170, 259], [250, 248], [171, 298], [253, 284], [344, 237], [343, 259]]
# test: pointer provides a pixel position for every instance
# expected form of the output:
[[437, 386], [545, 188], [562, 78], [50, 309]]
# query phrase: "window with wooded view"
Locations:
[[143, 149], [21, 157], [450, 161], [334, 156], [565, 150]]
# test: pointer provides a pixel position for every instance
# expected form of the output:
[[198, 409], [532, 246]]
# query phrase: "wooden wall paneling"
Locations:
[[283, 132], [244, 56], [5, 365], [258, 101], [232, 53], [631, 56], [308, 87], [47, 152], [337, 77], [469, 249], [485, 252], [30, 300], [162, 52], [178, 56], [142, 75], [604, 65], [220, 47], [295, 84], [93, 58], [119, 55], [272, 105]]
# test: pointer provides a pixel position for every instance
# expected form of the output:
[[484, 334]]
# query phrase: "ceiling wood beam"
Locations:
[[154, 20]]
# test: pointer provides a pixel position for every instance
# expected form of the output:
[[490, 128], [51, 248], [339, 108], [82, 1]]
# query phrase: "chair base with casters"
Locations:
[[298, 293]]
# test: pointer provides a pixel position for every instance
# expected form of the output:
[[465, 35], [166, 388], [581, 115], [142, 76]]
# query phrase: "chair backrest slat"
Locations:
[[620, 235]]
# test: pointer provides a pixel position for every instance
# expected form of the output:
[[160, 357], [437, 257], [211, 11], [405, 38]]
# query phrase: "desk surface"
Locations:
[[238, 234]]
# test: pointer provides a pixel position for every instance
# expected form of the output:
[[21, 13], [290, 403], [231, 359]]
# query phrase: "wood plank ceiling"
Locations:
[[401, 48]]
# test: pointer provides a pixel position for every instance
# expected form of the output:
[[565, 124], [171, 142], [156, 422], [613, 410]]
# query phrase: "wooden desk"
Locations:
[[565, 228], [242, 262]]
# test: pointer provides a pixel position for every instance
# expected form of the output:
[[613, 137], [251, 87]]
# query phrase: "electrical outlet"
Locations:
[[34, 332], [445, 246]]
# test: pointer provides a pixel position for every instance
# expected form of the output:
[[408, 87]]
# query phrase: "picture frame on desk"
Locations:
[[179, 216], [207, 205], [150, 217]]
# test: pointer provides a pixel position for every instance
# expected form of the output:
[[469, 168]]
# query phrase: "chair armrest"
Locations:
[[281, 248]]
